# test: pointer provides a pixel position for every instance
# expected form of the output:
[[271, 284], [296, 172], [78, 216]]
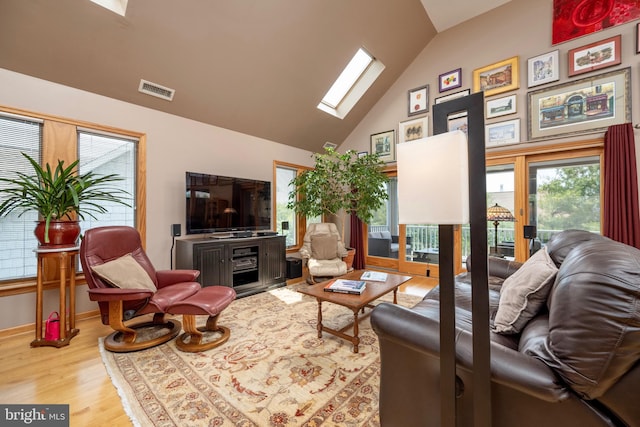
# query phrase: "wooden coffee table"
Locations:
[[356, 303]]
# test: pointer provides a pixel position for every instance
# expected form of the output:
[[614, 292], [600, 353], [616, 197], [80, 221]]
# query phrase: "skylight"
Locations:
[[116, 6], [349, 76], [352, 83]]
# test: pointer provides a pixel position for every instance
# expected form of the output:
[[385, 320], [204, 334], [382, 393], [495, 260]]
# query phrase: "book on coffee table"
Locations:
[[346, 286], [374, 276]]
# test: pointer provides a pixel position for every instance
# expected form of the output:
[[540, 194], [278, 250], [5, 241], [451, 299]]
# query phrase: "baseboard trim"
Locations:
[[29, 328]]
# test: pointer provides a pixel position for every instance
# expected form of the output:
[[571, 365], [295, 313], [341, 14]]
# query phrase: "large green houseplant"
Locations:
[[58, 195], [340, 184]]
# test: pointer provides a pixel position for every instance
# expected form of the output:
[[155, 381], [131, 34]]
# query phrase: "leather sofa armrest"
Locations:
[[498, 267], [400, 326], [118, 294], [171, 277]]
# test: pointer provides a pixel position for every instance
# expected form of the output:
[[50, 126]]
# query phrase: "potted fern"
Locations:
[[60, 196], [340, 185]]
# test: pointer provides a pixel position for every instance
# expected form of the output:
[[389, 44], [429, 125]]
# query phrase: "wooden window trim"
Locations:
[[301, 221], [59, 141]]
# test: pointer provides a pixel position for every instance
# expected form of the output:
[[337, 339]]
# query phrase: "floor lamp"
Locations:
[[421, 164], [428, 178], [498, 214]]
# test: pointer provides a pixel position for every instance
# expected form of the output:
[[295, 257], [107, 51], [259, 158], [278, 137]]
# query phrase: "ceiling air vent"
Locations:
[[330, 145], [156, 90]]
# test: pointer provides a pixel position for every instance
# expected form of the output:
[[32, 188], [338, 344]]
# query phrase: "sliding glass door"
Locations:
[[564, 194], [534, 194]]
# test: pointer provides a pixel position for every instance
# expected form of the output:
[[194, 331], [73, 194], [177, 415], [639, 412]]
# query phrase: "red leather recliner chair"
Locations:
[[103, 244]]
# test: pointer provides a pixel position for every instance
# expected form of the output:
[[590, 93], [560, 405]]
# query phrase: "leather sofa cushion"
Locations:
[[560, 244], [594, 317], [125, 273], [524, 293], [324, 246]]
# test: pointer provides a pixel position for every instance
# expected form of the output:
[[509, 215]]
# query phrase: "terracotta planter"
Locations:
[[351, 254], [62, 234]]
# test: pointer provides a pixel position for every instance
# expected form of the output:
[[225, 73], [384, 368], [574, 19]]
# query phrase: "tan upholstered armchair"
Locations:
[[322, 251]]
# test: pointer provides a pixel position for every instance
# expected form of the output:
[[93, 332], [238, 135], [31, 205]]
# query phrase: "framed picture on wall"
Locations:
[[497, 78], [543, 69], [450, 80], [577, 18], [595, 56], [384, 144], [458, 121], [578, 106], [502, 133], [413, 129], [451, 96], [418, 100], [501, 106]]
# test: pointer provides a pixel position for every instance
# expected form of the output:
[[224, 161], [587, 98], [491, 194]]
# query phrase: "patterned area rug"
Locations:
[[273, 371]]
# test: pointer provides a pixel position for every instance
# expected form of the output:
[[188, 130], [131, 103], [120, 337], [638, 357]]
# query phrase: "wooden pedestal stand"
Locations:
[[67, 262]]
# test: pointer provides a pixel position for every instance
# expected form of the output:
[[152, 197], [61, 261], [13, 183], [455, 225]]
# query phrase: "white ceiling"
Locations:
[[445, 14]]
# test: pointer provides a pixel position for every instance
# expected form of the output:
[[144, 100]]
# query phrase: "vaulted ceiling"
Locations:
[[258, 67]]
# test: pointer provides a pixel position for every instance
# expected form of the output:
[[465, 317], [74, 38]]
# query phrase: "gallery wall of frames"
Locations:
[[580, 84]]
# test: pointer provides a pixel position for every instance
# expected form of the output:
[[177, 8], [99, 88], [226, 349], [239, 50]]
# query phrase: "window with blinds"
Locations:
[[18, 135], [108, 154]]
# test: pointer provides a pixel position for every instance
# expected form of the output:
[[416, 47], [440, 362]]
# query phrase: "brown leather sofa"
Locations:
[[575, 363]]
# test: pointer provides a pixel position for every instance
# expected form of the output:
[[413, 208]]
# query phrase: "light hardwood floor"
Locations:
[[75, 374]]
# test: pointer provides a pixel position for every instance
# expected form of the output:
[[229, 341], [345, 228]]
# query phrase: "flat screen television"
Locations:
[[221, 203]]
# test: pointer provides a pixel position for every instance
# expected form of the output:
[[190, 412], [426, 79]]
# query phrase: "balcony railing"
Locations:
[[426, 236]]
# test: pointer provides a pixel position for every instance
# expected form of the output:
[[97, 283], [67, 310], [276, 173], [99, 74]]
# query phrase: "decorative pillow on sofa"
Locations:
[[524, 293], [125, 273], [324, 246]]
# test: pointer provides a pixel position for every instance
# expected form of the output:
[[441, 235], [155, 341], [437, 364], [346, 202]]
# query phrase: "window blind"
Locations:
[[106, 154], [18, 135]]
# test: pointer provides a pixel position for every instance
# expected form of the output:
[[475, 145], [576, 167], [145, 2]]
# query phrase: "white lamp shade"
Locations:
[[433, 180]]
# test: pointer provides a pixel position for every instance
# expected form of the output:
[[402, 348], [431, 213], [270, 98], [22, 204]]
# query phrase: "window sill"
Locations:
[[29, 286]]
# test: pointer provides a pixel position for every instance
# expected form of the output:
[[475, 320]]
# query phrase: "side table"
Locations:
[[67, 262]]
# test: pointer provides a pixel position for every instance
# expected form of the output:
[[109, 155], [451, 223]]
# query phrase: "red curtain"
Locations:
[[356, 241], [621, 211]]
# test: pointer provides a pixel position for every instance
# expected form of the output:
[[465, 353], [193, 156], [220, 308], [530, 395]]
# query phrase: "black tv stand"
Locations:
[[248, 265]]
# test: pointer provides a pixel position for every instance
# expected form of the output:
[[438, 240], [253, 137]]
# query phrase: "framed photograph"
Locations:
[[595, 56], [458, 122], [451, 96], [450, 80], [419, 100], [543, 69], [384, 144], [502, 133], [362, 153], [413, 129], [579, 106], [497, 78], [501, 106]]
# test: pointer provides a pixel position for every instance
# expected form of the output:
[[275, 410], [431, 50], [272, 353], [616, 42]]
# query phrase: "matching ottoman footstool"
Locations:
[[210, 300]]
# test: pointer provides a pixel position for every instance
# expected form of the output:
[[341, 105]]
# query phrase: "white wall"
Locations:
[[174, 145], [520, 27]]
